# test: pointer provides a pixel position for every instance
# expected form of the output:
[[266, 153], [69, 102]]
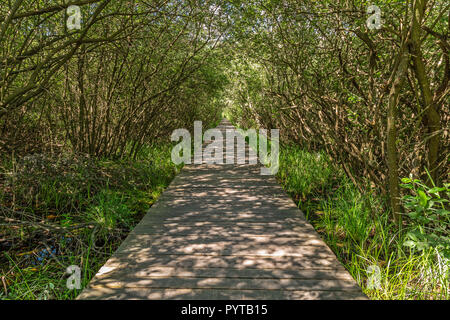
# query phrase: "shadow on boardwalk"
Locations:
[[223, 232]]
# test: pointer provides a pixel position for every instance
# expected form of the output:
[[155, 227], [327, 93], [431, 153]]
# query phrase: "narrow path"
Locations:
[[223, 232]]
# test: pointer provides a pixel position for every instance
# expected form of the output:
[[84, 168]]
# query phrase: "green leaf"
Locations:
[[412, 236], [409, 243], [423, 199], [413, 215]]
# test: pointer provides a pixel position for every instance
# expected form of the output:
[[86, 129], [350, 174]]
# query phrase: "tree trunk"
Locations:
[[398, 77], [432, 117]]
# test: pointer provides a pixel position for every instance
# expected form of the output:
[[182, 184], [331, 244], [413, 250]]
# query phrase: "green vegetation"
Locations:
[[86, 117], [413, 262], [71, 210]]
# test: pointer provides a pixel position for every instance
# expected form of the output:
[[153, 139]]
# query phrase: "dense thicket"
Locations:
[[375, 99], [134, 72]]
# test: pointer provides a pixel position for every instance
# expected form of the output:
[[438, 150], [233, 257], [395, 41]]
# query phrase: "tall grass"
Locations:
[[357, 227]]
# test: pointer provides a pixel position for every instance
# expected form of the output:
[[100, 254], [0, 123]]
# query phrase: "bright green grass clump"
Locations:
[[358, 228]]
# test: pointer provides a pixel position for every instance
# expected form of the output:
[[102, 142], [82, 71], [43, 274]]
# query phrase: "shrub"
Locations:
[[429, 217]]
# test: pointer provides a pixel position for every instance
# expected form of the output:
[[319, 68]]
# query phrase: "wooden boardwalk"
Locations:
[[223, 232]]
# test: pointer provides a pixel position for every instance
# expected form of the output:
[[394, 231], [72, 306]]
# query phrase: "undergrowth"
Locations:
[[64, 210], [388, 263]]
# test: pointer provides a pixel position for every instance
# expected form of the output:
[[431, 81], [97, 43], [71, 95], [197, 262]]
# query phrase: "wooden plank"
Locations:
[[208, 294], [224, 249], [226, 225], [131, 281], [241, 241], [219, 231], [139, 272], [145, 260], [255, 206], [151, 244], [221, 218]]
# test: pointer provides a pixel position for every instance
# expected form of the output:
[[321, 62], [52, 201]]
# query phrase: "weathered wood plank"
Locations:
[[208, 294], [227, 231], [131, 281], [119, 271], [145, 260]]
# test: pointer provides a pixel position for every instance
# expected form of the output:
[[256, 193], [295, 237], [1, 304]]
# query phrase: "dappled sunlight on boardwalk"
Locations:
[[223, 232]]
